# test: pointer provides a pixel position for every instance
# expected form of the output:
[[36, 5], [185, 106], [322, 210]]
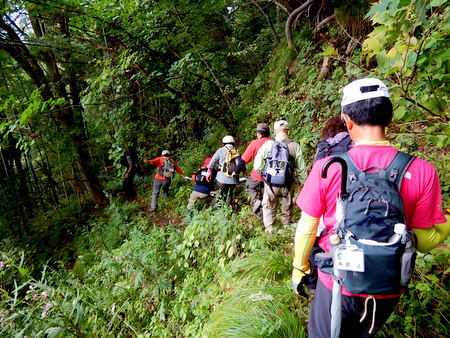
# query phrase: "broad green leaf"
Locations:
[[376, 39], [377, 10], [382, 61], [399, 113], [329, 51]]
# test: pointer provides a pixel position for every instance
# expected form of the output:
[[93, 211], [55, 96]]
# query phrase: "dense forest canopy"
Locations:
[[81, 80]]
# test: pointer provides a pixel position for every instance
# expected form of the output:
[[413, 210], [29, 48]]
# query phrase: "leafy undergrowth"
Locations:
[[215, 273]]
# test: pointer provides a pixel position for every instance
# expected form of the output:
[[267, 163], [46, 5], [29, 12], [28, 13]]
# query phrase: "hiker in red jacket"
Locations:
[[202, 187], [254, 183], [165, 171]]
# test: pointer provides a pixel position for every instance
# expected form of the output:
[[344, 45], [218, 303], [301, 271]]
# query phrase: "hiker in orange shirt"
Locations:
[[165, 171]]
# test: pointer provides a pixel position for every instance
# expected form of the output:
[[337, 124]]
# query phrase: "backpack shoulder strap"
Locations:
[[353, 170], [346, 141], [398, 167], [287, 141]]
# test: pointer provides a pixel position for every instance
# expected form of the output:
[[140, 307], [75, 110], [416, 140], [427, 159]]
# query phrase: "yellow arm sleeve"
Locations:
[[305, 235], [429, 238]]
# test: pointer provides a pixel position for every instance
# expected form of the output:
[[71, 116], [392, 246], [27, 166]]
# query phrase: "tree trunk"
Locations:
[[13, 45], [326, 64], [290, 20], [65, 116]]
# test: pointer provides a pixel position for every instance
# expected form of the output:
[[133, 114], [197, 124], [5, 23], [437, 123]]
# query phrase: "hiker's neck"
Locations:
[[281, 131], [367, 134]]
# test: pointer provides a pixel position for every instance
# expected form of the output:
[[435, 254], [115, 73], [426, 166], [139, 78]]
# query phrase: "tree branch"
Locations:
[[322, 23], [96, 44], [269, 22]]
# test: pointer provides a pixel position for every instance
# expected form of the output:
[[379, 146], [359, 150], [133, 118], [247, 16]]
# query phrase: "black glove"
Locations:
[[299, 288]]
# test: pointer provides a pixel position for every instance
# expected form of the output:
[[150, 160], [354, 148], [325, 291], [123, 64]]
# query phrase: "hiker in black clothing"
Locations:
[[129, 160], [131, 163]]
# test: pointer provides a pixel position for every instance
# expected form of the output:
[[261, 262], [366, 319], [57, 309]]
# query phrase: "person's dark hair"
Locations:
[[373, 112], [333, 126], [263, 132]]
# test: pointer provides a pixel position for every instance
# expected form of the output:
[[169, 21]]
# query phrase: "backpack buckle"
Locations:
[[352, 177], [393, 175]]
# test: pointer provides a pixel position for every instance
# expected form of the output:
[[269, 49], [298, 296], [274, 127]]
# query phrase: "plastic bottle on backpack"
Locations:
[[407, 262], [399, 230]]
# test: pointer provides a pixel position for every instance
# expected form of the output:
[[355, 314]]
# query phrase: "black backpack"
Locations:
[[200, 177], [372, 210], [279, 169], [324, 149]]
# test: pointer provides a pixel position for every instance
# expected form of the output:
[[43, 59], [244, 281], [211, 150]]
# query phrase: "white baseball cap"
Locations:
[[281, 123], [363, 89]]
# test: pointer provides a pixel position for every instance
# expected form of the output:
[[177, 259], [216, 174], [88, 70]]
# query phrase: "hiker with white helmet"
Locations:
[[165, 171], [383, 195], [280, 162], [229, 161]]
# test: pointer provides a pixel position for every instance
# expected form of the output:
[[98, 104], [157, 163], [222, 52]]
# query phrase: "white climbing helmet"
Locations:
[[362, 89], [228, 139], [165, 153]]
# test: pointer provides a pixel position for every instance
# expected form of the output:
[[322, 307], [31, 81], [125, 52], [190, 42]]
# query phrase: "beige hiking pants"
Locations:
[[196, 196], [270, 203]]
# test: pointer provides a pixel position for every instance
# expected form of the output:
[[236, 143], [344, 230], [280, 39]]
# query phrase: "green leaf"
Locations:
[[400, 113], [22, 271], [329, 51], [378, 9], [376, 39], [436, 3], [382, 61]]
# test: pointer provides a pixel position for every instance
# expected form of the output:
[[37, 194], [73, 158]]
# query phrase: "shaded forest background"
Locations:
[[81, 80]]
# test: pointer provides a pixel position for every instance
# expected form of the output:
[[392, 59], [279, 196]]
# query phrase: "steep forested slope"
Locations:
[[83, 79]]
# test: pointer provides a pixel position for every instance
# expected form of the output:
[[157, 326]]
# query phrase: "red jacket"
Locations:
[[250, 154], [158, 162]]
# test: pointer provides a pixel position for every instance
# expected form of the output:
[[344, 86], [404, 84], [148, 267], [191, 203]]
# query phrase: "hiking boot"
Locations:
[[151, 209]]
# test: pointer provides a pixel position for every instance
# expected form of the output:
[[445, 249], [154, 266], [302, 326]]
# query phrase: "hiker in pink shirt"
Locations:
[[366, 110]]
